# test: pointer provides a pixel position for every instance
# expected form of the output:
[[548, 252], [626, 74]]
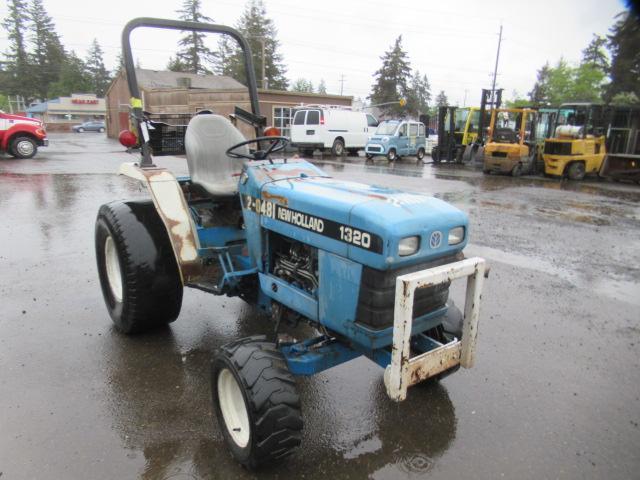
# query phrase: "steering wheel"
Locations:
[[277, 144]]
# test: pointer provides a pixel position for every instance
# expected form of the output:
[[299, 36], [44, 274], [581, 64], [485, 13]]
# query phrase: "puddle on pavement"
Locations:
[[625, 291]]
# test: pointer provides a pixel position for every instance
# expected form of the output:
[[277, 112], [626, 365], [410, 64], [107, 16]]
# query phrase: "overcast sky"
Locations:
[[453, 42]]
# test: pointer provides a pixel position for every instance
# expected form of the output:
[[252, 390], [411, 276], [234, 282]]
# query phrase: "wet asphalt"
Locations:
[[555, 392]]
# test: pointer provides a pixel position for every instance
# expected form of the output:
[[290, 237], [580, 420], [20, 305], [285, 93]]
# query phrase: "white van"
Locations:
[[334, 128]]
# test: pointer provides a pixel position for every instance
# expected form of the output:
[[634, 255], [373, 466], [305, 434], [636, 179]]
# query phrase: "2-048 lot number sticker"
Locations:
[[322, 226]]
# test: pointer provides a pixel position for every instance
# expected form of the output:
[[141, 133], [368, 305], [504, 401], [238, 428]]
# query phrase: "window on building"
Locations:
[[282, 120]]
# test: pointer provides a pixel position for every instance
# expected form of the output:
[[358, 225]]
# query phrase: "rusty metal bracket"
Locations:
[[404, 371]]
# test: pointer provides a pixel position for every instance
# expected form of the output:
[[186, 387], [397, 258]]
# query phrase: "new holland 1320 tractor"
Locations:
[[368, 267]]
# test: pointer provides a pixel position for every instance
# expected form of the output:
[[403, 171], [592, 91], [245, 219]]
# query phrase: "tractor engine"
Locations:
[[295, 262]]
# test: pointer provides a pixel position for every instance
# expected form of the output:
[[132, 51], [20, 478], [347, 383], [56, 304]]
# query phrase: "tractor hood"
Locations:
[[362, 222]]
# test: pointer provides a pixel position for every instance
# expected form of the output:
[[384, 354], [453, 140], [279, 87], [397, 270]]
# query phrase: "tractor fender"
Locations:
[[173, 210]]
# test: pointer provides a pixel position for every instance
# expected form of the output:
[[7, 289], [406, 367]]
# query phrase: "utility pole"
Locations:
[[341, 84], [495, 70], [265, 84], [464, 102]]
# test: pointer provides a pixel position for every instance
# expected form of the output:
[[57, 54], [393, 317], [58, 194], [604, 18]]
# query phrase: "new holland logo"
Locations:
[[436, 239]]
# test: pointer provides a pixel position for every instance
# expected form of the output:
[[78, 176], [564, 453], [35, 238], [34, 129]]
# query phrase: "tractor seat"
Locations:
[[206, 141]]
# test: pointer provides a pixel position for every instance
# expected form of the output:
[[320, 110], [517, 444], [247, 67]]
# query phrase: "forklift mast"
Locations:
[[487, 100]]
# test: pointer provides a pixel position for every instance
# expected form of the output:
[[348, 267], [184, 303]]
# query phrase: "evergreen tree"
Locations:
[[539, 95], [391, 80], [98, 73], [17, 70], [257, 28], [322, 87], [73, 78], [48, 53], [441, 99], [625, 55], [418, 95], [595, 54], [302, 85], [192, 54], [224, 55]]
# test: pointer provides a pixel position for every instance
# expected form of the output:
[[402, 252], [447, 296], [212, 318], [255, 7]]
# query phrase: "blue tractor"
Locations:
[[369, 268]]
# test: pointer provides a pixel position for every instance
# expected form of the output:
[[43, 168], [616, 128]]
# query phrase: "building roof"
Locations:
[[38, 108], [152, 79]]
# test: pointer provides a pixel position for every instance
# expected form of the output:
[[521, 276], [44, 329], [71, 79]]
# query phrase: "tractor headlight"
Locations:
[[385, 139], [456, 235], [408, 246]]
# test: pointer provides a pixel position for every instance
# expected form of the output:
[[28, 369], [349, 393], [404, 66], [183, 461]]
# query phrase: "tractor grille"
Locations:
[[378, 288], [499, 154], [557, 148]]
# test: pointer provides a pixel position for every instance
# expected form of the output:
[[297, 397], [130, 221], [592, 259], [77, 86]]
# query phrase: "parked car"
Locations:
[[397, 138], [89, 127], [21, 136], [335, 128]]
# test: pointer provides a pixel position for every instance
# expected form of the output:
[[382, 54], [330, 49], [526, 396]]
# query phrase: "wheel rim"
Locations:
[[24, 148], [234, 410], [112, 262]]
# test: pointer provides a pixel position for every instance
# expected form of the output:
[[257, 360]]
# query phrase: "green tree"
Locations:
[[441, 99], [625, 99], [391, 80], [560, 83], [418, 95], [624, 40], [587, 86], [539, 95], [302, 85], [98, 73], [322, 87], [257, 28], [73, 78], [48, 54], [193, 55], [17, 69], [595, 54], [4, 103]]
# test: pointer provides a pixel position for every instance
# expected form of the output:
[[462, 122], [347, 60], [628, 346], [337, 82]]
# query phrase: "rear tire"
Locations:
[[576, 171], [255, 401], [337, 150], [101, 130], [23, 147], [138, 272], [516, 171], [420, 154], [435, 155]]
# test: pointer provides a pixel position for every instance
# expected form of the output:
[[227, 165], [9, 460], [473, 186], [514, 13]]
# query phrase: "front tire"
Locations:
[[138, 272], [255, 401], [337, 150], [80, 130], [392, 156], [23, 147], [576, 171]]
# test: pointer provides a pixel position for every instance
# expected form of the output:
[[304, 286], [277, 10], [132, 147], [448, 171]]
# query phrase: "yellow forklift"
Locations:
[[461, 131], [578, 143], [511, 145]]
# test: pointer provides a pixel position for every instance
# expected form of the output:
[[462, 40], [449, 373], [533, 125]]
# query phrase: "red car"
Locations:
[[20, 136]]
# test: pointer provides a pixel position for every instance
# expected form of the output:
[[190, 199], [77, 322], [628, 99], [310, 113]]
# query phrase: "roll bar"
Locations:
[[136, 102]]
